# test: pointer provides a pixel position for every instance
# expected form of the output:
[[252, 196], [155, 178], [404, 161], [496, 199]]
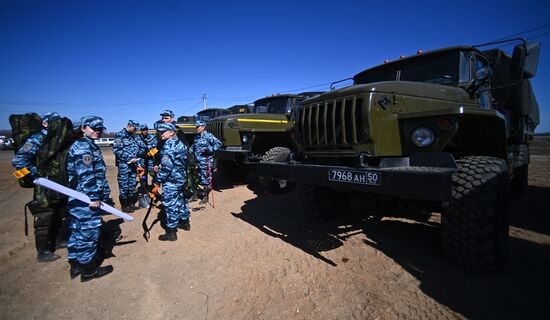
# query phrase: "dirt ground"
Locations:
[[258, 257]]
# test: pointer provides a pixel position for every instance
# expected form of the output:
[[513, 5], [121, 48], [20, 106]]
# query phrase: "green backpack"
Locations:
[[22, 127], [51, 160]]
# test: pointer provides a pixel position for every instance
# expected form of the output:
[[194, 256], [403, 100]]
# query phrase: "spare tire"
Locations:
[[276, 154]]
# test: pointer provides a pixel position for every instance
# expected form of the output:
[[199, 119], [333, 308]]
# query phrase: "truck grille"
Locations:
[[333, 124], [215, 128]]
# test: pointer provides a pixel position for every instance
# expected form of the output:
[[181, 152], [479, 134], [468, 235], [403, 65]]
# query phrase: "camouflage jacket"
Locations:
[[86, 169], [125, 146], [26, 155], [173, 162], [205, 144]]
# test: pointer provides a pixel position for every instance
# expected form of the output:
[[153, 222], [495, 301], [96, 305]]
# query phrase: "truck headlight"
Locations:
[[245, 139], [422, 137]]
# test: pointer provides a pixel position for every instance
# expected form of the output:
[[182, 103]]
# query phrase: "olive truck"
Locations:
[[449, 129]]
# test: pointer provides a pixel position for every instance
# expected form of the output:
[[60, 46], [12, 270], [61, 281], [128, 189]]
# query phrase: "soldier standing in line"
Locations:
[[126, 152], [204, 146], [167, 116], [86, 169], [146, 142], [46, 222], [171, 178]]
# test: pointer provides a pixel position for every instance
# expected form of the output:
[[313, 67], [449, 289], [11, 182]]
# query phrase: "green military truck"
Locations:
[[447, 129], [264, 133]]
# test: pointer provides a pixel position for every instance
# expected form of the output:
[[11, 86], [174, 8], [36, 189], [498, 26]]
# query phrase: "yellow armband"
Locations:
[[21, 173]]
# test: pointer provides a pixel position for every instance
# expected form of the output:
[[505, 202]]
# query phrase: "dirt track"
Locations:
[[259, 257]]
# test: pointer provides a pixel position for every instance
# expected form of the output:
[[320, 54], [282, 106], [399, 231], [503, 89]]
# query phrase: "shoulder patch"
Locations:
[[87, 160], [27, 147]]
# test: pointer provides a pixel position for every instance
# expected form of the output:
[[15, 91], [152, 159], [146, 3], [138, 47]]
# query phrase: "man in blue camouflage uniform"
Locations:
[[204, 146], [146, 142], [47, 221], [86, 172], [126, 152], [171, 178]]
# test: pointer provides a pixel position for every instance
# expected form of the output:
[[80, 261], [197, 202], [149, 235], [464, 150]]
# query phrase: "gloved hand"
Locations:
[[152, 152], [140, 171], [155, 191]]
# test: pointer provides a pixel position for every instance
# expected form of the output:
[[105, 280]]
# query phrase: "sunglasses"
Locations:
[[97, 129], [166, 118]]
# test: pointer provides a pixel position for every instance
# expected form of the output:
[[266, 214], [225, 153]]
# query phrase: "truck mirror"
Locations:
[[288, 111], [482, 74], [525, 60]]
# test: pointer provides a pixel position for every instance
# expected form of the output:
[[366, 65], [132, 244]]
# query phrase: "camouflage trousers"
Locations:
[[206, 165], [174, 204], [85, 224], [126, 177]]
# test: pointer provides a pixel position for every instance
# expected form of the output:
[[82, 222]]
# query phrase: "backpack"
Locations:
[[22, 127], [51, 160]]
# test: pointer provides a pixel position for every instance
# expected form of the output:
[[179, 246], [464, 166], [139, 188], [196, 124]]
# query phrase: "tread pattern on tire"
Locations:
[[475, 223]]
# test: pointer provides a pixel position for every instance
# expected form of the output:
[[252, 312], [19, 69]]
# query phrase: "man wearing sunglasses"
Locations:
[[126, 150]]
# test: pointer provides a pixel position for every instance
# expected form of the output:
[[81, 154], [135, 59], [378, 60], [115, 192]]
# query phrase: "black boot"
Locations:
[[63, 235], [204, 199], [74, 271], [132, 202], [43, 249], [124, 203], [193, 198], [90, 271], [170, 235], [184, 224]]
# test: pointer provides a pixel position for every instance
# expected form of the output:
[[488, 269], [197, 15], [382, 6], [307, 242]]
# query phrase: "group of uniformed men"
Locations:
[[164, 157]]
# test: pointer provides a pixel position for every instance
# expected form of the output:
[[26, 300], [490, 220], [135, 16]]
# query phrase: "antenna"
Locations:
[[204, 101]]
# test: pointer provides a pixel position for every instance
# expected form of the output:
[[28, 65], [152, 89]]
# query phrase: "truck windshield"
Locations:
[[444, 68], [271, 105]]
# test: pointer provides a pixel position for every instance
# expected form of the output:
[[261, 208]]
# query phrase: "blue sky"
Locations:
[[131, 59]]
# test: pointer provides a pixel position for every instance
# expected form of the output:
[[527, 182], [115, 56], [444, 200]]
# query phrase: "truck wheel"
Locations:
[[474, 224], [322, 202], [519, 181], [231, 171], [277, 154]]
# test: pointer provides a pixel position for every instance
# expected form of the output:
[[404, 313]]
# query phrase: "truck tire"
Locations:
[[322, 202], [474, 224], [277, 154], [519, 181]]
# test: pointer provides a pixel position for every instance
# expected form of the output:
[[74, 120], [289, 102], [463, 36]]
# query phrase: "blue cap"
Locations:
[[133, 123], [200, 123], [48, 116], [166, 126], [167, 113], [143, 127], [76, 125], [92, 122]]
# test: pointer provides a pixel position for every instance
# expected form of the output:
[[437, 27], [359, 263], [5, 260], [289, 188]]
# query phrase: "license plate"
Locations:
[[372, 178]]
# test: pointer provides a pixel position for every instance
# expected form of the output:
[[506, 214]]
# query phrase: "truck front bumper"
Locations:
[[423, 177]]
